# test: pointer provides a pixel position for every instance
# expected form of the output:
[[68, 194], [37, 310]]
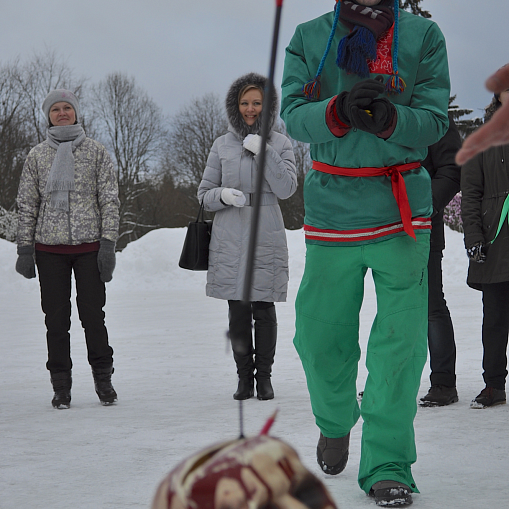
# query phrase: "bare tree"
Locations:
[[15, 138], [192, 132], [46, 71], [131, 126], [23, 87], [8, 224]]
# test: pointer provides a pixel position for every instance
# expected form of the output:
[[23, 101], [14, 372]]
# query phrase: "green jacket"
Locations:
[[355, 203]]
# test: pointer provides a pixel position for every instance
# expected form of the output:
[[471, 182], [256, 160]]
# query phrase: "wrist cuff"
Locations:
[[335, 125], [25, 250]]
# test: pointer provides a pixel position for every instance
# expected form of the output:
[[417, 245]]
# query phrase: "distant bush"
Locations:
[[452, 214], [8, 224]]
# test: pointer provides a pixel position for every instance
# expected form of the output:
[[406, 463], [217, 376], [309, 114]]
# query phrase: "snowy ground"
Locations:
[[175, 380]]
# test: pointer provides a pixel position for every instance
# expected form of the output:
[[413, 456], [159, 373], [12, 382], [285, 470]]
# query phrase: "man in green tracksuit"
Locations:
[[368, 205]]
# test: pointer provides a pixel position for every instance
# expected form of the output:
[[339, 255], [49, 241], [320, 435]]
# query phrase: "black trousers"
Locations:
[[55, 272], [442, 347], [261, 356], [495, 329]]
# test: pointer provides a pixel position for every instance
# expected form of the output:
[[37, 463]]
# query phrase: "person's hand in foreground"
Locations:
[[495, 131]]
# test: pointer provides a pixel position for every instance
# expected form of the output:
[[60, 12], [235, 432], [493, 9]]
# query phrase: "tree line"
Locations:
[[159, 160]]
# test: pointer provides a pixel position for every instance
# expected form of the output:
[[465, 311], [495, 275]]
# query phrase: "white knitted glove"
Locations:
[[253, 143], [233, 197]]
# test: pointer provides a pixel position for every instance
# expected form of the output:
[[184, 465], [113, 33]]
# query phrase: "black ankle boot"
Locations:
[[62, 383], [245, 389], [264, 389], [103, 387]]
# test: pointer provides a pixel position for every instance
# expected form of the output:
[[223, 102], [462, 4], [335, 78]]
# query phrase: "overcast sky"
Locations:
[[181, 49]]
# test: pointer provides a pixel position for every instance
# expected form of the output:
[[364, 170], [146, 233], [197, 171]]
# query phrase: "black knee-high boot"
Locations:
[[264, 314], [242, 345]]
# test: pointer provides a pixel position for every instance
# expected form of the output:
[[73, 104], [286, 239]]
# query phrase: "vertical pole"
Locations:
[[268, 97]]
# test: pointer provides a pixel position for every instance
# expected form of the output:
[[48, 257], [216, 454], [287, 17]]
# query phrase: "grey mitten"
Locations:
[[25, 264], [106, 260]]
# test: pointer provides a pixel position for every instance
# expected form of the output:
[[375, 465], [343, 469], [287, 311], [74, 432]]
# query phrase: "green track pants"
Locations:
[[327, 340]]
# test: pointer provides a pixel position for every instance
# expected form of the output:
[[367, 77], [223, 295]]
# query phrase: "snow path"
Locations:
[[175, 380]]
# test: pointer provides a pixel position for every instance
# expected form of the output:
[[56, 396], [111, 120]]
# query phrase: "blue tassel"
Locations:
[[395, 84], [312, 88], [354, 50]]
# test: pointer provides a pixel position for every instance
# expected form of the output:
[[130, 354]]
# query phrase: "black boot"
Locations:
[[62, 383], [245, 389], [240, 325], [264, 314], [103, 387], [264, 389]]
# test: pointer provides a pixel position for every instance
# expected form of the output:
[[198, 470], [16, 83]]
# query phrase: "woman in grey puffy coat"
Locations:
[[68, 223], [227, 188]]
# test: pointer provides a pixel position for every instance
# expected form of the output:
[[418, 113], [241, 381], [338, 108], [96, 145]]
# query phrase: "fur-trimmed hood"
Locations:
[[235, 119]]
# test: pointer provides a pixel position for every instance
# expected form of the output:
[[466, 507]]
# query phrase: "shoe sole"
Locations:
[[243, 398], [335, 470], [478, 406], [403, 500], [397, 502], [427, 404]]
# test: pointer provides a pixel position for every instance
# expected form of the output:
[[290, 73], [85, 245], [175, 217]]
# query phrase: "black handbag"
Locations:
[[195, 253]]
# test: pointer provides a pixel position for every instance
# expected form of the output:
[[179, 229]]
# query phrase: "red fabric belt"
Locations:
[[397, 181]]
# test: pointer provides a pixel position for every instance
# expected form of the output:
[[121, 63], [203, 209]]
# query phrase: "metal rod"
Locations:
[[241, 419], [268, 96]]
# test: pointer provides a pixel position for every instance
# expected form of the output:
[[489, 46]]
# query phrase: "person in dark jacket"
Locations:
[[445, 183], [484, 207]]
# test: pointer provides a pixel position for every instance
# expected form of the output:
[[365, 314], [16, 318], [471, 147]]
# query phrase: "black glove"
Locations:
[[476, 253], [25, 264], [360, 97], [377, 120], [106, 260]]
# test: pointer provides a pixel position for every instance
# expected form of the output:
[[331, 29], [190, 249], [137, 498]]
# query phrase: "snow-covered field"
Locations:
[[175, 378]]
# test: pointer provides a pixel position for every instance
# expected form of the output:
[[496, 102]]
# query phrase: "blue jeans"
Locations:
[[442, 348]]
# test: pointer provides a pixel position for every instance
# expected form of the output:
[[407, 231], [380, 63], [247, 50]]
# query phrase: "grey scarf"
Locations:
[[61, 176]]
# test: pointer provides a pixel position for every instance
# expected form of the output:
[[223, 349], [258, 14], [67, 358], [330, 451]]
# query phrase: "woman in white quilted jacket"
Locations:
[[227, 188]]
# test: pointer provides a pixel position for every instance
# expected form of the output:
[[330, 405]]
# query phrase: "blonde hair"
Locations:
[[247, 88]]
